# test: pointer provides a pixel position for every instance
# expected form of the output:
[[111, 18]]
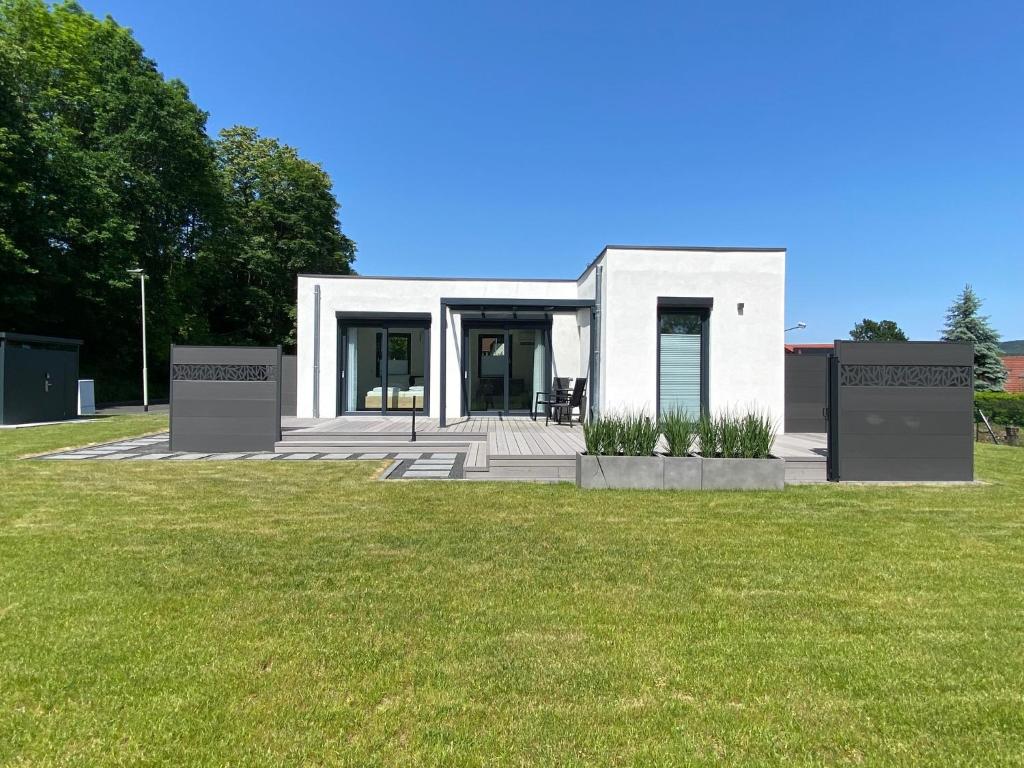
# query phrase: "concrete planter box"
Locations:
[[683, 473], [691, 473], [646, 472], [743, 474]]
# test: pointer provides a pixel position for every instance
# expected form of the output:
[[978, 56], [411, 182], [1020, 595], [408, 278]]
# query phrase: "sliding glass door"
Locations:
[[504, 366], [384, 367]]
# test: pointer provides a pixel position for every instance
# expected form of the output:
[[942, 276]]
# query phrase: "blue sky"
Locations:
[[882, 143]]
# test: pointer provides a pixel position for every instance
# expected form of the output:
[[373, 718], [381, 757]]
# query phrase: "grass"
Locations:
[[252, 614]]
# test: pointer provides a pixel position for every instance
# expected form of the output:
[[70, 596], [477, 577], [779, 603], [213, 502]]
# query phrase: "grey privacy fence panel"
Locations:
[[902, 411], [289, 385], [38, 378], [225, 398], [806, 393]]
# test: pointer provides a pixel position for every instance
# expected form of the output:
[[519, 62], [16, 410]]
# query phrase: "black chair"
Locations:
[[559, 394], [575, 400]]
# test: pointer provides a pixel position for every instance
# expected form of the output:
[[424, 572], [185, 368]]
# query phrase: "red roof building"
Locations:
[[1015, 367]]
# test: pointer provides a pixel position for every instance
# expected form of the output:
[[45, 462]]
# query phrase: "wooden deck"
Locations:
[[511, 447], [495, 447]]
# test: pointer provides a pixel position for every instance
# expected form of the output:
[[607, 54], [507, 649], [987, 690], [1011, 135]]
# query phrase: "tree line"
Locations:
[[105, 165], [964, 324]]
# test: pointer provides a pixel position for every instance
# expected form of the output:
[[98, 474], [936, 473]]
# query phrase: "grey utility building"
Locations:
[[38, 378]]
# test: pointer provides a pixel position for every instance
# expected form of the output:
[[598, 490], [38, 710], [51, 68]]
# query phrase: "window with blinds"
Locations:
[[679, 385]]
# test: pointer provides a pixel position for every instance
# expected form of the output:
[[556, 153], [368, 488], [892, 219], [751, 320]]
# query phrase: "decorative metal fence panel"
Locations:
[[225, 398], [902, 411]]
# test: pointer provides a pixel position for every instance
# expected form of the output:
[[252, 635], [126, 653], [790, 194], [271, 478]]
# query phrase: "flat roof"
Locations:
[[33, 338], [691, 248]]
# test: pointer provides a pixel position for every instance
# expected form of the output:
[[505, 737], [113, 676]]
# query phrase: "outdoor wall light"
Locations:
[[739, 308]]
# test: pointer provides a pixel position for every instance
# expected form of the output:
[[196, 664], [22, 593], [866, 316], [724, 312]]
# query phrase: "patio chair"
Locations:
[[575, 400], [559, 394]]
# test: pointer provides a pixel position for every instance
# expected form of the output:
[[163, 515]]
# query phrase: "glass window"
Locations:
[[367, 367], [679, 341]]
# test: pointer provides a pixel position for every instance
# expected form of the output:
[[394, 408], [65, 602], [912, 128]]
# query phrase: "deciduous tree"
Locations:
[[877, 330]]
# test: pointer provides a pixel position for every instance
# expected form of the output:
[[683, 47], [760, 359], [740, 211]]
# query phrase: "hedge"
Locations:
[[1000, 407]]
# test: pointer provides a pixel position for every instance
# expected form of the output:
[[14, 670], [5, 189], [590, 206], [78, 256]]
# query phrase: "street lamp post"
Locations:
[[798, 327], [145, 370]]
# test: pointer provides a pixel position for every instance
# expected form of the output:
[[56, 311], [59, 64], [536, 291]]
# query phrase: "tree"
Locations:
[[965, 325], [104, 165], [877, 330], [281, 220]]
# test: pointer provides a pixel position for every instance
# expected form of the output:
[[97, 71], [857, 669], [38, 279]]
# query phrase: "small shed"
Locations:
[[38, 378]]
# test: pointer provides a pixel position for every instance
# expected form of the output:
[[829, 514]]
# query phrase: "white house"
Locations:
[[649, 327]]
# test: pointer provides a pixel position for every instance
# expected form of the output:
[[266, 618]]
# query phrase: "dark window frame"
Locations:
[[702, 308], [503, 327], [397, 320]]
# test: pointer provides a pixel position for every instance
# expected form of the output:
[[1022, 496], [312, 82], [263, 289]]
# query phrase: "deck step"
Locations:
[[383, 437], [356, 446], [799, 472]]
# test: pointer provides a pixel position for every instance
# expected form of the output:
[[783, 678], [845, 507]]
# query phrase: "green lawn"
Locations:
[[299, 613]]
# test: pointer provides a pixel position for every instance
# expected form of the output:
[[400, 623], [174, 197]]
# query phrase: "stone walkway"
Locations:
[[410, 465]]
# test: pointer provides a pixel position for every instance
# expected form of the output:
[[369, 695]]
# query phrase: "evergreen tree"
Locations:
[[964, 324]]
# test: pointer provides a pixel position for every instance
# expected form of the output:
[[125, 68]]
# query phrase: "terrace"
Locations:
[[500, 447]]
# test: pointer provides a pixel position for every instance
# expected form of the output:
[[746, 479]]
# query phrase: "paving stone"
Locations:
[[335, 456], [224, 456], [151, 456], [433, 463], [373, 456], [62, 456], [115, 456], [445, 455], [264, 456], [413, 474], [297, 456], [408, 455], [189, 456]]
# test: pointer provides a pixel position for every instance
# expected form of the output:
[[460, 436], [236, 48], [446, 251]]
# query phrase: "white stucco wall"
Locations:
[[746, 363], [389, 295]]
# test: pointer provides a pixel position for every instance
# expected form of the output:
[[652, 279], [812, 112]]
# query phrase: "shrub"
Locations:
[[638, 434], [757, 434], [601, 436], [627, 434], [707, 436], [1001, 407], [679, 429], [730, 434], [735, 437]]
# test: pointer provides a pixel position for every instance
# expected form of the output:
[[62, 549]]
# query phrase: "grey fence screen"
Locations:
[[901, 411], [225, 398], [806, 392], [289, 385], [38, 378]]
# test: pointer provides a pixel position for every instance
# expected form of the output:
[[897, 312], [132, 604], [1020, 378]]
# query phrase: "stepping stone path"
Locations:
[[410, 465]]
